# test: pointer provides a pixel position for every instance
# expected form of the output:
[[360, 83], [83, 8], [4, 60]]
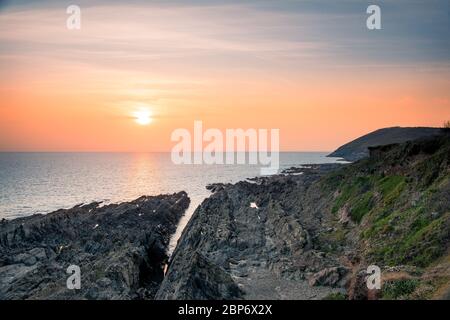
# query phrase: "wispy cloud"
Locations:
[[205, 33]]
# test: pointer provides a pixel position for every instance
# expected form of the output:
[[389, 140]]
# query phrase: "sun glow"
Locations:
[[143, 116]]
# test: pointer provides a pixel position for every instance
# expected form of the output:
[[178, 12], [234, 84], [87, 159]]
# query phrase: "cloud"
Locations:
[[201, 40]]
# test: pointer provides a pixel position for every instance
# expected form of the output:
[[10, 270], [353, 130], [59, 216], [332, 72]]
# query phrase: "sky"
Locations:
[[309, 68]]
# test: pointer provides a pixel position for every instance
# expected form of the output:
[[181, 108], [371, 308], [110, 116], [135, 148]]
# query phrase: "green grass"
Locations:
[[397, 227], [401, 233], [418, 244], [362, 207], [346, 192], [391, 187], [359, 193], [351, 191], [335, 296], [424, 246], [398, 289]]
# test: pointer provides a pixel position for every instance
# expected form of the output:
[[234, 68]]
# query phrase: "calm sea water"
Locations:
[[43, 182]]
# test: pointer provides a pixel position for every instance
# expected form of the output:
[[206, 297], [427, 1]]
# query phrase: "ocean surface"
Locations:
[[43, 182]]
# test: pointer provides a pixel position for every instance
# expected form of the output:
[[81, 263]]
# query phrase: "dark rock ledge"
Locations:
[[254, 240], [120, 248]]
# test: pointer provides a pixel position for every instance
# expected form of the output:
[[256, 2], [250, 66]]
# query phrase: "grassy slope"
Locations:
[[398, 206]]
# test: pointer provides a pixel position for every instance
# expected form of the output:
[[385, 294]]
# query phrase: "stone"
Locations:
[[328, 277], [120, 259]]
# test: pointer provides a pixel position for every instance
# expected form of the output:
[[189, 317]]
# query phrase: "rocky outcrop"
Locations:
[[254, 238], [120, 249], [312, 232], [329, 277], [204, 280]]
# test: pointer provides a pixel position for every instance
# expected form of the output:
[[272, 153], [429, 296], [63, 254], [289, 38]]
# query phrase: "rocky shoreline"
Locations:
[[120, 249], [307, 233], [250, 241], [313, 232]]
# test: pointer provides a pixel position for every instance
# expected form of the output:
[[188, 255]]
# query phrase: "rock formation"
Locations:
[[120, 249]]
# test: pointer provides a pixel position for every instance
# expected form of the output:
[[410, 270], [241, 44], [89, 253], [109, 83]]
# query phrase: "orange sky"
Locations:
[[64, 90]]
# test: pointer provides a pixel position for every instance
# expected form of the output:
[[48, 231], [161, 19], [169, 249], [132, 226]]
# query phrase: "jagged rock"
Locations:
[[120, 248], [215, 187], [328, 277], [204, 280], [249, 248]]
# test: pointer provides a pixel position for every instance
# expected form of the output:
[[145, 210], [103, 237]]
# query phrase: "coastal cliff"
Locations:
[[120, 248], [313, 235], [359, 148]]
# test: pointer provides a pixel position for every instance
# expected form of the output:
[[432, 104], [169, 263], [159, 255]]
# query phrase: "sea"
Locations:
[[32, 183]]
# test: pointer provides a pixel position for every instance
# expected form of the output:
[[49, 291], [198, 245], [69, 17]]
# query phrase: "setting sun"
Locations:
[[143, 117]]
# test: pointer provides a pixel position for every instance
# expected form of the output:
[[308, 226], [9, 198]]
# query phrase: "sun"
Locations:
[[143, 116]]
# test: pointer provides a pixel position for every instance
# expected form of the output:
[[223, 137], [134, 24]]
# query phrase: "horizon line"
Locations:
[[284, 151]]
